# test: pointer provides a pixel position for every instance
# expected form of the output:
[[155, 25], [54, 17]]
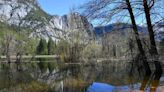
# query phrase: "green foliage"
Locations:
[[27, 1], [33, 65], [92, 50], [62, 47], [30, 46], [52, 66], [42, 47], [42, 50], [20, 33], [20, 38], [38, 15], [4, 66], [43, 66], [51, 47]]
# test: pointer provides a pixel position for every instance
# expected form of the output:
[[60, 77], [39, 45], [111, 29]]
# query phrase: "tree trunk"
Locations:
[[139, 44], [153, 49]]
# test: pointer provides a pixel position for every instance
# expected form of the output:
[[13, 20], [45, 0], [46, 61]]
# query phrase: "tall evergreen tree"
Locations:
[[42, 47], [51, 47], [42, 50]]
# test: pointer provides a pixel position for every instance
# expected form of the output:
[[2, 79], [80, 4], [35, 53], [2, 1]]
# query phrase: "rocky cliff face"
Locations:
[[13, 11], [28, 14]]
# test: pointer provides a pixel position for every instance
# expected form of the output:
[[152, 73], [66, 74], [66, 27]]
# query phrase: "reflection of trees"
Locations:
[[9, 77], [104, 10], [75, 77]]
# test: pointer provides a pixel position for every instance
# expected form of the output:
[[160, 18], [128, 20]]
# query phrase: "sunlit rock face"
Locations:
[[13, 11], [28, 14], [70, 22]]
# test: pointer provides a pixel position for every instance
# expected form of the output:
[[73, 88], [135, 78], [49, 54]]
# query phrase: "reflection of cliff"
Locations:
[[71, 77]]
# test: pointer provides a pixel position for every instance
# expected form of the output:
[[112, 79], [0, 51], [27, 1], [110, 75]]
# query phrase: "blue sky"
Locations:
[[59, 7]]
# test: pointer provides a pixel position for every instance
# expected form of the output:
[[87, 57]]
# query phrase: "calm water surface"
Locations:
[[108, 76]]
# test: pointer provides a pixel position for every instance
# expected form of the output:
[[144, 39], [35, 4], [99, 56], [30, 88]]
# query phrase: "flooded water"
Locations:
[[107, 76]]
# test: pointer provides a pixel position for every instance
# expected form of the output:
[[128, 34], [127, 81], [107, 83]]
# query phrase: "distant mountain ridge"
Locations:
[[101, 30]]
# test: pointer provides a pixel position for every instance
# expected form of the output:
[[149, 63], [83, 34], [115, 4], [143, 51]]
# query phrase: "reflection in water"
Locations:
[[150, 83], [102, 87], [155, 84], [107, 76], [144, 83]]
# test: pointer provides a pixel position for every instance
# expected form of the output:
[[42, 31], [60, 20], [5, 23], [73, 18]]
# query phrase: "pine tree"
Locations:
[[51, 47], [42, 50], [42, 47]]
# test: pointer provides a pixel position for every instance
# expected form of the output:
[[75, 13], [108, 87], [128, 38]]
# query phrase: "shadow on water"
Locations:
[[107, 76]]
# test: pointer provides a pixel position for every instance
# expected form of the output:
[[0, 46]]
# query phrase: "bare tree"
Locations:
[[153, 47], [109, 9], [149, 12], [142, 52]]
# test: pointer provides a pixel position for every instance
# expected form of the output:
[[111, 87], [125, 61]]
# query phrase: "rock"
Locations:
[[28, 14]]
